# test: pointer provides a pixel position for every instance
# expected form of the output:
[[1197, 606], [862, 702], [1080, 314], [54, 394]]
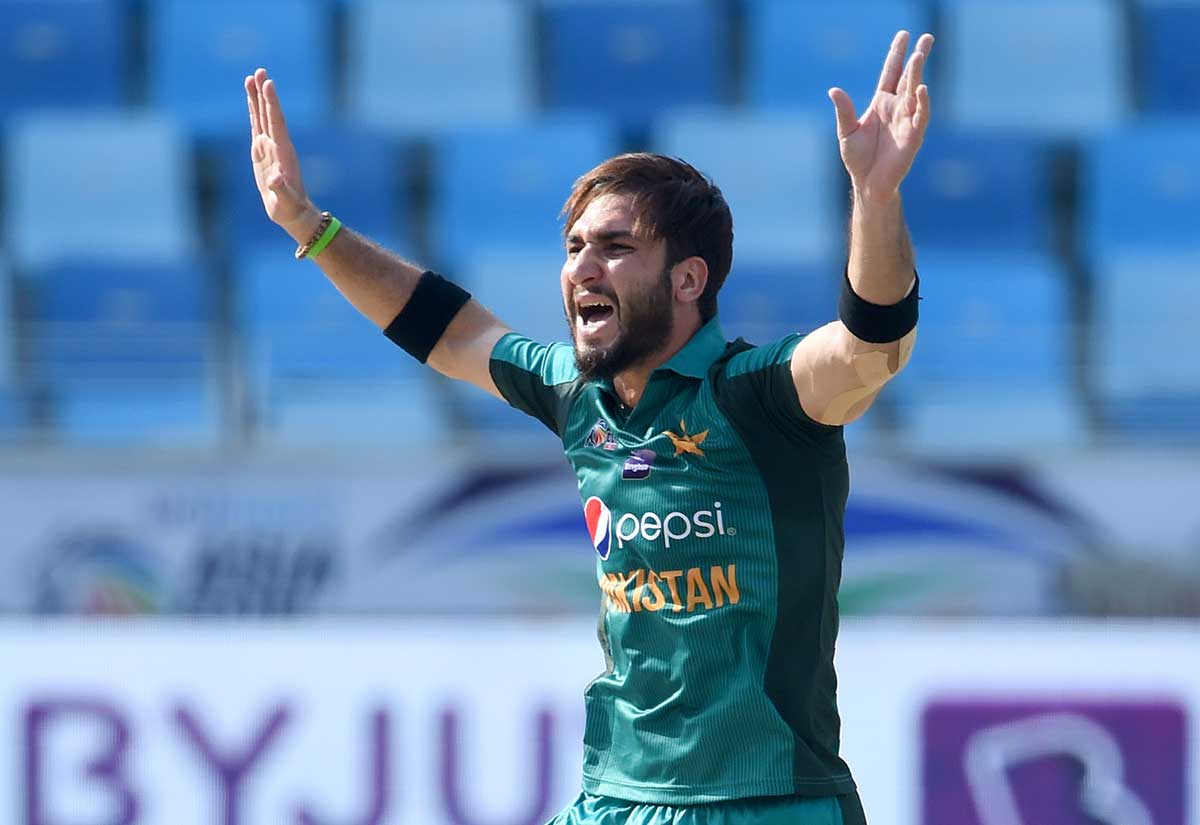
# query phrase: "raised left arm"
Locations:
[[837, 374]]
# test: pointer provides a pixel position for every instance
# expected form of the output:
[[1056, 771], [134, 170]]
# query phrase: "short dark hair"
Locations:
[[675, 203]]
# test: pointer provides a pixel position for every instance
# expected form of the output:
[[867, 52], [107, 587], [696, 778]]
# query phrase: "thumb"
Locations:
[[279, 184], [847, 120]]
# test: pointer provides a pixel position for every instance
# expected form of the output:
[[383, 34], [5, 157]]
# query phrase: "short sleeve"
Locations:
[[755, 389], [537, 379]]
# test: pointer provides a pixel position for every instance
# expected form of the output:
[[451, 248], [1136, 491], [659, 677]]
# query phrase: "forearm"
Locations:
[[837, 373], [380, 283], [881, 267], [376, 281]]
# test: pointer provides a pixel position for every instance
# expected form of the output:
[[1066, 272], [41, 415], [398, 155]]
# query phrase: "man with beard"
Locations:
[[713, 474]]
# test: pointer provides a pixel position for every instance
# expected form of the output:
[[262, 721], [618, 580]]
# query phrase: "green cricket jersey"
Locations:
[[716, 508]]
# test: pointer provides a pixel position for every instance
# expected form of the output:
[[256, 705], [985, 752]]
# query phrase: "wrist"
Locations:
[[874, 198], [303, 226]]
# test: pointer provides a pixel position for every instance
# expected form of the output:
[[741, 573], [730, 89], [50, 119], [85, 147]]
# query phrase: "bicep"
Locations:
[[464, 351], [838, 376]]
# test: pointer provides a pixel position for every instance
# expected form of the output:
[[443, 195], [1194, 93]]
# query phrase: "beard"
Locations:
[[645, 325]]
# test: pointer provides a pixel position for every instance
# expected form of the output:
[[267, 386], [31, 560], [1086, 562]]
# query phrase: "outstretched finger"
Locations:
[[252, 106], [276, 124], [920, 119], [893, 65], [847, 120], [924, 44], [907, 90], [260, 81], [913, 74]]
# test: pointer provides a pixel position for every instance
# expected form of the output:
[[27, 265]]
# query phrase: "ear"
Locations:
[[689, 277]]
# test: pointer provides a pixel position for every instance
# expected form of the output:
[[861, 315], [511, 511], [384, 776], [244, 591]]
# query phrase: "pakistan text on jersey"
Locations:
[[676, 590]]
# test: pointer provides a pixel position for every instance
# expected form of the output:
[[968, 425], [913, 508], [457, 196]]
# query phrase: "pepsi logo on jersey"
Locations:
[[599, 525], [674, 526]]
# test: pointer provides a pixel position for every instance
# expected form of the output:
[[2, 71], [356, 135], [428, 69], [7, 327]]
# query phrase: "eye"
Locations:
[[572, 251], [619, 248]]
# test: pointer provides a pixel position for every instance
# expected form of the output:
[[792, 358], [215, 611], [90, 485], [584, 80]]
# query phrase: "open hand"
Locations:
[[276, 167], [878, 149]]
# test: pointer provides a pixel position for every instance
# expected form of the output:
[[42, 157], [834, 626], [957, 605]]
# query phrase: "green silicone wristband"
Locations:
[[326, 237]]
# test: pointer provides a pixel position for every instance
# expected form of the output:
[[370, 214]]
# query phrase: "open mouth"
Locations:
[[595, 314], [594, 310]]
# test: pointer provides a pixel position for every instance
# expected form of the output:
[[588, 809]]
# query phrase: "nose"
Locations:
[[584, 267]]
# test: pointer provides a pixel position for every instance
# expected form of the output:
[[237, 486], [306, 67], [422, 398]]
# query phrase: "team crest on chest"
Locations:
[[685, 443], [601, 436]]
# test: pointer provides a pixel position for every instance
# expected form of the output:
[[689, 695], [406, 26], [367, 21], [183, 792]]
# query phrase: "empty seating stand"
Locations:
[[70, 54], [1057, 68], [318, 372], [124, 352], [199, 54], [633, 59], [795, 51], [111, 187], [992, 369], [1167, 72], [403, 77]]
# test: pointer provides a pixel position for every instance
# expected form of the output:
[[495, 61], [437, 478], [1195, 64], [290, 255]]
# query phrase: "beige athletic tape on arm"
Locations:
[[873, 371]]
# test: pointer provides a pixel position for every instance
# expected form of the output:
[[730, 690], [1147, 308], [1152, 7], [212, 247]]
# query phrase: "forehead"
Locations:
[[606, 213]]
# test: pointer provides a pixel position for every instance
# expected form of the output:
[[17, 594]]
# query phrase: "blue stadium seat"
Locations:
[[980, 191], [796, 51], [319, 372], [631, 59], [360, 176], [425, 65], [1144, 316], [504, 188], [14, 415], [1141, 191], [992, 364], [13, 412], [1052, 67], [103, 187], [777, 173], [200, 54], [62, 53], [766, 302], [1168, 73], [125, 352], [8, 330]]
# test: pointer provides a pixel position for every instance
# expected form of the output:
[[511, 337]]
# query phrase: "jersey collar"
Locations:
[[693, 360], [699, 353]]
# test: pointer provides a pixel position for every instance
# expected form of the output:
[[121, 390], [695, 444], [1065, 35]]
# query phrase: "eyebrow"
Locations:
[[607, 235]]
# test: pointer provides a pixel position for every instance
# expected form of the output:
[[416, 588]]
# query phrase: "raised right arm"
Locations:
[[376, 281]]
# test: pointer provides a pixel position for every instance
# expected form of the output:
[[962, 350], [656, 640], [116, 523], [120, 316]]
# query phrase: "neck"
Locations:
[[631, 383]]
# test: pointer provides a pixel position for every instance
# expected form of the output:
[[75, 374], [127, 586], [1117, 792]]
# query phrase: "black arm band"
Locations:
[[424, 319], [875, 323]]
